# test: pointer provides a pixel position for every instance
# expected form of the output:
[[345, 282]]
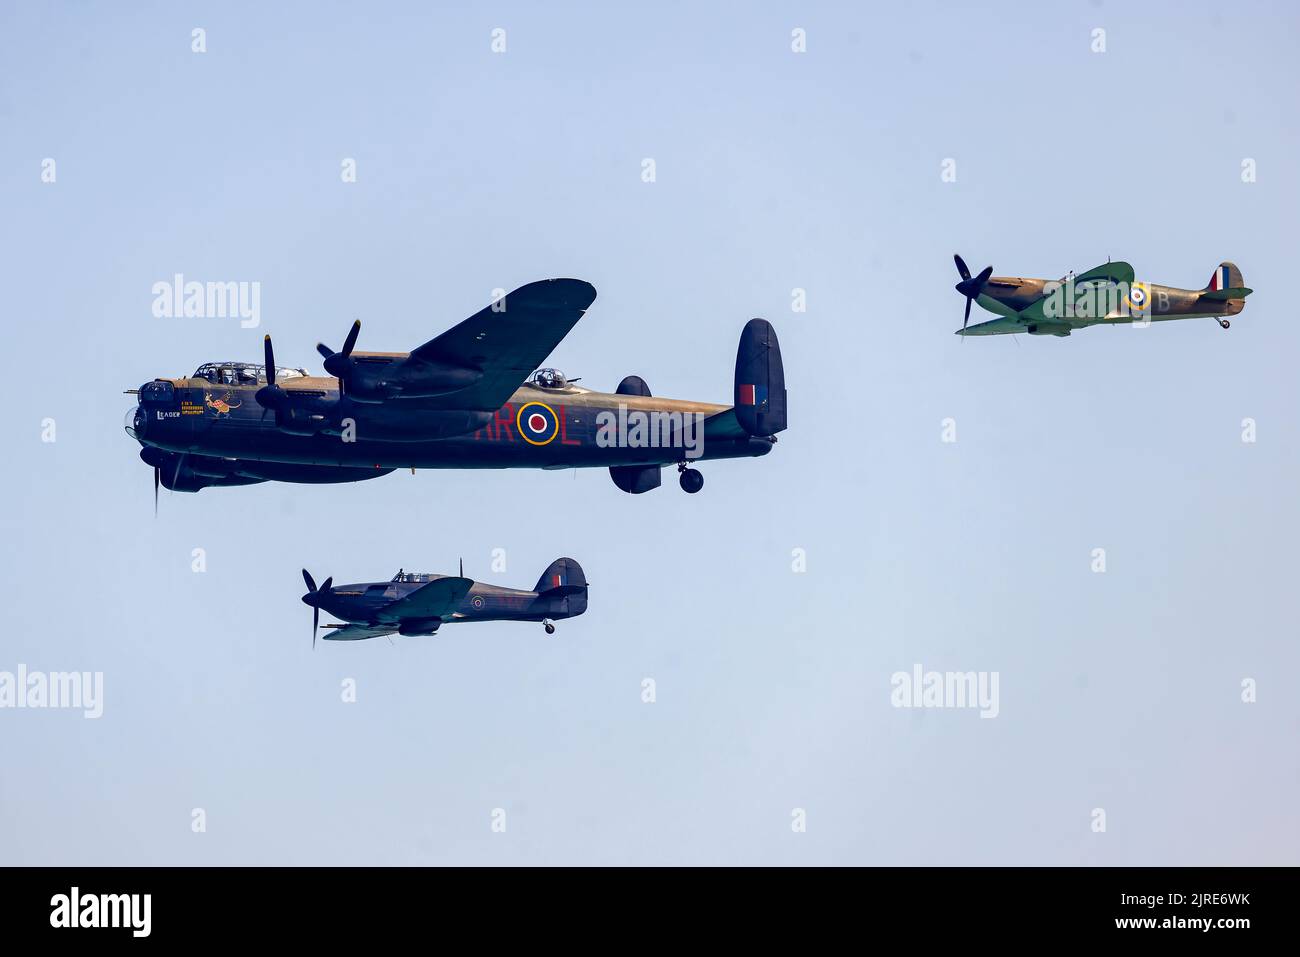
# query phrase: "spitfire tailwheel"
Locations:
[[691, 480], [549, 626], [1224, 323]]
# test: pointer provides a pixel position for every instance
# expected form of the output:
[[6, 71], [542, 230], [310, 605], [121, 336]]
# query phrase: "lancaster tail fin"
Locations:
[[760, 380]]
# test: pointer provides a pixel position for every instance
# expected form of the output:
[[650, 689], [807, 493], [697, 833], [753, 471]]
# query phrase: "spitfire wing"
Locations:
[[1115, 272], [357, 632], [1002, 326], [435, 600], [508, 340], [1036, 311]]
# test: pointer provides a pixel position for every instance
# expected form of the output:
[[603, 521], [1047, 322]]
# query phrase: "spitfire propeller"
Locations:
[[970, 286], [313, 598]]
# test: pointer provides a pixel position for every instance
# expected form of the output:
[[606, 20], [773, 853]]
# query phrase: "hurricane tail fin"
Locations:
[[563, 573]]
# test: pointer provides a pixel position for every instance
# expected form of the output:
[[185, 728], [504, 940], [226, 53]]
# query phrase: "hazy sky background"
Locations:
[[775, 170]]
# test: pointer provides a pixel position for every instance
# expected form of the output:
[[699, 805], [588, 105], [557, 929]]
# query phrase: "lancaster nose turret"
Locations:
[[134, 422]]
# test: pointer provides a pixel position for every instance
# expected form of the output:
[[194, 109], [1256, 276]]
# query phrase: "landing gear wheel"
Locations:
[[1224, 323], [691, 481], [549, 626]]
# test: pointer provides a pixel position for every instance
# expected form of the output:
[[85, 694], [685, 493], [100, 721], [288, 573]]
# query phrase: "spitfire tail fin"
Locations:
[[1226, 283], [564, 575], [760, 380]]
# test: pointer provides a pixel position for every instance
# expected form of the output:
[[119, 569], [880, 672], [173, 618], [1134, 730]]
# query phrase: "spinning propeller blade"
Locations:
[[338, 364], [270, 397], [313, 598], [970, 287], [351, 340], [157, 479], [269, 354]]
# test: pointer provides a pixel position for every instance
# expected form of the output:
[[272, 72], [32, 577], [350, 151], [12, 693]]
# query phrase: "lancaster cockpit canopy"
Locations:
[[242, 373], [549, 379]]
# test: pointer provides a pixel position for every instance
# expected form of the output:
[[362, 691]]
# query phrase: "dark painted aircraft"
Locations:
[[1103, 296], [419, 604], [464, 399]]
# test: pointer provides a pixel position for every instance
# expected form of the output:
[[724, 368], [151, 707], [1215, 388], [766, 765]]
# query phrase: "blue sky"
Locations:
[[774, 171]]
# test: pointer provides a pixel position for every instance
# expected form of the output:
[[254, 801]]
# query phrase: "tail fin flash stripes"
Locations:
[[562, 573], [760, 380], [1226, 276]]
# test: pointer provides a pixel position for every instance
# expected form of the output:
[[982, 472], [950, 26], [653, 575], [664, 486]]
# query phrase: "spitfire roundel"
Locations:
[[1137, 297], [538, 423]]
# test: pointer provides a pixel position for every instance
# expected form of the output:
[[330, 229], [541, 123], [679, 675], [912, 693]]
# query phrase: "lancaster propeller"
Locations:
[[296, 414], [341, 364], [271, 396]]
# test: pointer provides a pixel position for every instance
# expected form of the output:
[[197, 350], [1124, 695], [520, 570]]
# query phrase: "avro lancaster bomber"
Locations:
[[464, 399]]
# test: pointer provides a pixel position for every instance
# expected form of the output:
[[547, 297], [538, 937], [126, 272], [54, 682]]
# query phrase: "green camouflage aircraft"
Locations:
[[1103, 296]]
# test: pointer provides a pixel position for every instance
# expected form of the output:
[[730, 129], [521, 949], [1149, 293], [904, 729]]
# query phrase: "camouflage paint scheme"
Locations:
[[459, 404], [419, 604], [1022, 305]]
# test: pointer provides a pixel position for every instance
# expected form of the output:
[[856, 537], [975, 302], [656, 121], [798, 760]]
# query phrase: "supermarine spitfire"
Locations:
[[462, 400], [419, 604], [1103, 296]]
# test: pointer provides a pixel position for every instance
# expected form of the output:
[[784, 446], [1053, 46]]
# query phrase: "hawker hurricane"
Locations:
[[414, 603]]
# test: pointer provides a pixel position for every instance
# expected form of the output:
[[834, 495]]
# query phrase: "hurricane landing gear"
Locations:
[[549, 626], [690, 480], [1224, 323]]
